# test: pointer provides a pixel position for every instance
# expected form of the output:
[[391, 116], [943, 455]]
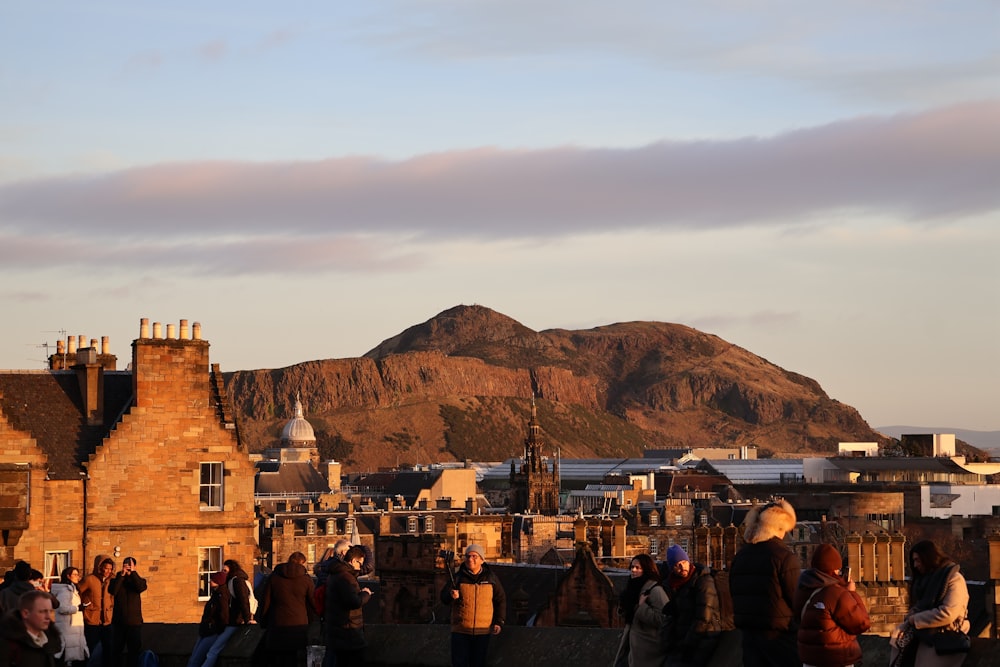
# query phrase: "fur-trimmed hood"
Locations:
[[771, 520]]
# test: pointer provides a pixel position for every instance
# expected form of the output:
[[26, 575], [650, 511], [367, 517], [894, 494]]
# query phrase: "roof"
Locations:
[[297, 430], [755, 471], [48, 406], [878, 463], [405, 483], [289, 478]]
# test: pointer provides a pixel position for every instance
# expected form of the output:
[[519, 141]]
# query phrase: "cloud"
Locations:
[[213, 51]]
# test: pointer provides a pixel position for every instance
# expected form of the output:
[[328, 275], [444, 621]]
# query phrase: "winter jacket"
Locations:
[[69, 621], [95, 591], [12, 594], [344, 599], [695, 620], [18, 648], [646, 645], [127, 591], [831, 618], [238, 594], [215, 615], [481, 604], [763, 578], [287, 607]]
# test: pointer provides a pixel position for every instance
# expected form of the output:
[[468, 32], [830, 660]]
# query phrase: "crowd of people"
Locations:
[[672, 612]]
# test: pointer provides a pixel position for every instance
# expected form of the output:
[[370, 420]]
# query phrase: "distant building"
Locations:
[[535, 484]]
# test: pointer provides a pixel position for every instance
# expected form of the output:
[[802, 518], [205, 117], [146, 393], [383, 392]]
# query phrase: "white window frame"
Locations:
[[412, 524], [210, 491], [210, 561], [429, 524], [678, 520], [55, 563]]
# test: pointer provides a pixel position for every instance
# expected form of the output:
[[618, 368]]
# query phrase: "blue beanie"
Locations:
[[676, 554]]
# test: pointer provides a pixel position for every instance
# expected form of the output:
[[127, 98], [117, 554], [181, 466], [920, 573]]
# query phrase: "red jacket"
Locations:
[[831, 620]]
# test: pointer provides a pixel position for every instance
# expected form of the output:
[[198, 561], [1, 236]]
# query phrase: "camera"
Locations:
[[447, 556]]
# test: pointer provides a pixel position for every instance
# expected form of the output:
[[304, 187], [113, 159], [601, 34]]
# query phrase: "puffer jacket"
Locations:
[[344, 599], [832, 617], [482, 602], [69, 622], [763, 578], [695, 617]]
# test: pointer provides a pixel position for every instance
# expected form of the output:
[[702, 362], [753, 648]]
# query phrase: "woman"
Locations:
[[939, 600], [641, 605], [69, 617], [214, 618], [832, 613]]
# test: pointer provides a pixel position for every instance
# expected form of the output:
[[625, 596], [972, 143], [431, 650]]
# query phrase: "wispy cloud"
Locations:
[[214, 50]]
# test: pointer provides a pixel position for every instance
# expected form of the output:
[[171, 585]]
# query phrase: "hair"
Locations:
[[64, 576], [931, 557], [130, 559], [235, 569], [357, 551], [341, 547], [35, 575], [648, 565], [297, 557], [22, 570], [27, 600], [106, 561]]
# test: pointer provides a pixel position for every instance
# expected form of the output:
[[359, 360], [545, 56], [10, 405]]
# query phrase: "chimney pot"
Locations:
[[71, 345], [144, 328], [184, 330], [196, 330], [60, 346], [93, 343], [105, 345], [157, 330], [171, 331], [82, 341]]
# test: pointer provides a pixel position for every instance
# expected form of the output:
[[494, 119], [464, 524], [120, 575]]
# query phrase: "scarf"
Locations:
[[928, 589], [629, 600]]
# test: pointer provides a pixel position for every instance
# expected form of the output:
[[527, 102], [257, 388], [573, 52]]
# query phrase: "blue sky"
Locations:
[[816, 183]]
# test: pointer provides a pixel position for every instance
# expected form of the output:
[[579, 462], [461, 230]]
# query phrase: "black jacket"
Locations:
[[18, 648], [694, 610], [127, 591], [344, 600], [762, 581]]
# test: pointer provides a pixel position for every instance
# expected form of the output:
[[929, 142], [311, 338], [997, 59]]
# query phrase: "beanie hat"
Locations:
[[826, 559], [219, 578], [676, 554], [475, 548]]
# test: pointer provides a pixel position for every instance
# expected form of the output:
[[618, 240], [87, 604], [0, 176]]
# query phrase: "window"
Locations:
[[654, 546], [331, 526], [55, 563], [211, 486], [209, 562], [411, 524], [678, 520], [311, 553], [310, 526], [654, 519], [428, 524]]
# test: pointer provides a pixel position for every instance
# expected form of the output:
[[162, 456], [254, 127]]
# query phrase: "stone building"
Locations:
[[535, 485], [144, 463]]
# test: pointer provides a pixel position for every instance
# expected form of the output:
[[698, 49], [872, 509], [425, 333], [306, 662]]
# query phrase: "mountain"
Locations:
[[460, 385]]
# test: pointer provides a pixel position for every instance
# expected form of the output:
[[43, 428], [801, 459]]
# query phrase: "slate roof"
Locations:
[[289, 478], [48, 406], [407, 484]]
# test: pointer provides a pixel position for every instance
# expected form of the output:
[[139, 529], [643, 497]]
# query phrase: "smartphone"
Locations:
[[846, 572]]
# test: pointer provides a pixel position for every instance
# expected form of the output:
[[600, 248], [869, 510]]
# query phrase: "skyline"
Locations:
[[306, 181]]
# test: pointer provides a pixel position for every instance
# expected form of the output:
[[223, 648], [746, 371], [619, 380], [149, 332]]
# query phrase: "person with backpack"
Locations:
[[693, 610], [214, 619], [641, 606], [240, 604], [832, 614]]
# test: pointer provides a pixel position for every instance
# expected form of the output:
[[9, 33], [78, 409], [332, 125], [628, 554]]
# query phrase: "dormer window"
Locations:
[[654, 519], [412, 524], [428, 524]]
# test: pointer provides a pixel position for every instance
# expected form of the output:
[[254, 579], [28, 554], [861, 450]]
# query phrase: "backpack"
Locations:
[[250, 595]]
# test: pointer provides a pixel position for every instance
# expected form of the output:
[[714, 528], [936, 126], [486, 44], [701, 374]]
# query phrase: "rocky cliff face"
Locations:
[[459, 386]]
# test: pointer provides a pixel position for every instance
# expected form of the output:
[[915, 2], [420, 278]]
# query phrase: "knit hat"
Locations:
[[219, 579], [676, 554], [826, 559], [475, 548]]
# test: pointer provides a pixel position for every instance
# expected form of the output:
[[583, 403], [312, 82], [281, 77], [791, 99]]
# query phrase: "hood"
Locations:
[[290, 570], [815, 579], [100, 558], [772, 520]]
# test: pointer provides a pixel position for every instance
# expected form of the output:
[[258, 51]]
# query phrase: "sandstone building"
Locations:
[[535, 485], [144, 463]]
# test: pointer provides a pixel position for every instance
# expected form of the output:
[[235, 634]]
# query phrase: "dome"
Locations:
[[298, 430]]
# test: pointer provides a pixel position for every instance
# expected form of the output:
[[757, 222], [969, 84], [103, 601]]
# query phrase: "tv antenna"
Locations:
[[62, 337]]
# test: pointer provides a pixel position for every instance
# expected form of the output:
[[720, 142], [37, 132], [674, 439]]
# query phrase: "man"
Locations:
[[322, 569], [345, 634], [693, 609], [287, 607], [98, 605], [19, 585], [762, 580], [28, 636], [127, 588], [478, 609]]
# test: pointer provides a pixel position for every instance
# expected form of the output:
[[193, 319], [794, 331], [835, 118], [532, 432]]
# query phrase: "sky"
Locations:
[[818, 183]]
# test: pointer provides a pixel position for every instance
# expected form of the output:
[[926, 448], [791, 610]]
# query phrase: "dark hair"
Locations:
[[357, 551], [235, 570], [64, 576], [648, 566], [22, 570], [106, 561], [35, 574], [931, 558], [297, 557], [130, 559]]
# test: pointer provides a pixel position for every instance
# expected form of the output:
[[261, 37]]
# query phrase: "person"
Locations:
[[287, 607], [237, 598], [695, 622], [127, 588], [214, 619], [763, 577], [478, 609], [345, 634], [832, 613], [69, 617], [641, 606], [19, 585], [28, 637], [939, 600], [98, 606]]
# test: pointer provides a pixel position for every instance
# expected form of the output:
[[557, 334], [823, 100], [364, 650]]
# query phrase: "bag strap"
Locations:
[[809, 601]]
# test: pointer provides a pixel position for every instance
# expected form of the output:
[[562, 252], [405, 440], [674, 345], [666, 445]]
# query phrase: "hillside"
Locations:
[[459, 386]]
